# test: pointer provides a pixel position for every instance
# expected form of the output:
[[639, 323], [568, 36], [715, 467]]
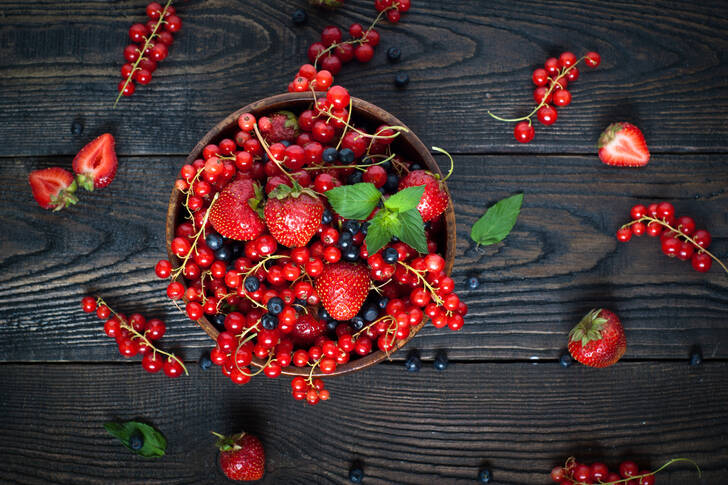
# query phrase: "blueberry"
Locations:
[[323, 314], [299, 17], [351, 254], [237, 249], [331, 325], [364, 228], [275, 305], [357, 323], [219, 321], [413, 362], [395, 239], [205, 362], [214, 241], [251, 284], [370, 313], [355, 177], [394, 53], [346, 239], [346, 155], [401, 80], [269, 321], [387, 166], [351, 226], [390, 255], [76, 127], [136, 441], [696, 356], [330, 155], [382, 302], [440, 362], [285, 143], [392, 183], [473, 283], [224, 254], [300, 302], [565, 360], [382, 190], [428, 225], [415, 166], [356, 475], [485, 476], [327, 217]]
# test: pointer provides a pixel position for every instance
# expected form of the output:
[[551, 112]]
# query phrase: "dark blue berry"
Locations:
[[351, 226], [330, 155], [224, 254], [356, 475], [237, 249], [205, 362], [346, 239], [696, 356], [390, 255], [364, 228], [275, 305], [387, 166], [485, 476], [413, 362], [395, 239], [355, 177], [327, 217], [350, 254], [382, 302], [441, 361], [331, 325], [218, 320], [357, 323], [300, 302], [346, 155], [214, 241], [473, 282], [323, 314], [269, 321], [299, 17], [285, 143], [565, 360], [401, 80], [392, 183], [251, 284], [415, 166], [370, 313], [136, 441], [76, 127], [394, 53]]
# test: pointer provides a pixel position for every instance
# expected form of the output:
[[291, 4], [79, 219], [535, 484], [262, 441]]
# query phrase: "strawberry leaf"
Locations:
[[355, 201], [154, 443], [405, 199], [497, 221], [411, 230]]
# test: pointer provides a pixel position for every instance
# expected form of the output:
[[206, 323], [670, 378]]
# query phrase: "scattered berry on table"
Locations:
[[440, 362], [299, 17], [356, 474], [53, 188], [394, 54], [623, 145], [136, 441], [485, 476], [696, 356], [473, 282], [205, 362], [95, 165], [242, 456], [565, 360], [76, 127], [401, 80], [413, 362], [598, 340]]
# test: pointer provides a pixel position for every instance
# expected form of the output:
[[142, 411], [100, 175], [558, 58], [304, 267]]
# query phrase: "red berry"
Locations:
[[558, 473], [701, 262], [155, 328], [592, 59], [670, 246], [552, 66], [686, 225], [152, 362], [126, 88], [540, 77], [356, 31], [154, 10], [137, 32], [665, 211], [323, 80], [524, 132], [172, 368], [546, 115], [638, 211], [638, 228], [330, 35], [88, 303], [542, 95], [127, 347], [338, 97], [647, 479], [628, 469], [654, 229], [173, 23], [376, 175], [562, 97], [573, 74], [598, 471], [567, 59], [331, 63], [624, 234], [363, 53], [159, 52], [315, 50], [702, 238], [131, 52]]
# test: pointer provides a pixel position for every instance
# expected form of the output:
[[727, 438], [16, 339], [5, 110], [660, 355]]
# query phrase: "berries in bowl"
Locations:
[[311, 236]]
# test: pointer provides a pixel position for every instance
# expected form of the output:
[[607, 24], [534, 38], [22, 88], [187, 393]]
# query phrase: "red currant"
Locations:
[[628, 469], [88, 303], [702, 238], [701, 262], [523, 132], [540, 77], [546, 115], [562, 97], [592, 59], [567, 59], [624, 234]]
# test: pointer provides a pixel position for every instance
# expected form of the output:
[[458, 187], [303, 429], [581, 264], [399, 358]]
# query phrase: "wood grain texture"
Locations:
[[664, 68], [424, 428], [560, 261]]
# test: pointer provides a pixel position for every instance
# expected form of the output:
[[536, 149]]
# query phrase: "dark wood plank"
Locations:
[[429, 427], [560, 261], [61, 62]]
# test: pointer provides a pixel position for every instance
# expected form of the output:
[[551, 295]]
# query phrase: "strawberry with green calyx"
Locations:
[[293, 214], [236, 213], [242, 457], [280, 126], [598, 340], [435, 199], [95, 165], [623, 145], [53, 188], [342, 288]]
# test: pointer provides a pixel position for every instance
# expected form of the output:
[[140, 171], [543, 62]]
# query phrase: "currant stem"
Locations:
[[270, 155], [435, 297], [452, 163], [200, 232], [346, 127], [638, 477]]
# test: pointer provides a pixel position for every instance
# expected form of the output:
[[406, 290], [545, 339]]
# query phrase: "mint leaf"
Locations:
[[497, 221], [355, 201], [405, 199], [155, 444], [411, 230], [379, 233]]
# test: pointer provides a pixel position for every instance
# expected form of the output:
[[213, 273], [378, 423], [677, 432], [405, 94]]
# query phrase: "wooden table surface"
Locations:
[[505, 402]]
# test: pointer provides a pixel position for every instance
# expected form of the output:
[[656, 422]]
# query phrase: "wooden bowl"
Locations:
[[406, 144]]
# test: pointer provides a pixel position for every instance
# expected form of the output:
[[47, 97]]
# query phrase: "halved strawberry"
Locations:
[[293, 214], [342, 288], [623, 145], [95, 165], [306, 330], [434, 199], [53, 188], [234, 215], [280, 126]]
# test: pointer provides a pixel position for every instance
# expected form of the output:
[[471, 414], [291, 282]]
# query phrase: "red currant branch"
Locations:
[[189, 192], [433, 293], [636, 478], [382, 319], [200, 232], [396, 129], [270, 155]]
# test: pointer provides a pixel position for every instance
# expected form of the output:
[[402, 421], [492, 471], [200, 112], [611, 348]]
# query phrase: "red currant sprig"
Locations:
[[557, 74], [135, 335], [679, 237], [575, 473]]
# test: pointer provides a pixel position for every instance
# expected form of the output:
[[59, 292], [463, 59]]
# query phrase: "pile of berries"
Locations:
[[628, 473], [150, 45], [275, 254], [136, 335], [551, 82], [678, 235]]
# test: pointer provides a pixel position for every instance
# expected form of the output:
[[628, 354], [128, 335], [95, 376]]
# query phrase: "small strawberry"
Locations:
[[53, 188], [95, 165], [598, 339], [242, 456], [342, 288], [293, 214], [434, 199], [306, 330], [623, 145], [280, 126], [234, 214]]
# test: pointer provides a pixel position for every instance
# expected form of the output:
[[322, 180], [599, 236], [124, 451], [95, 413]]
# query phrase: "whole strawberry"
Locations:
[[234, 215], [434, 199], [242, 457], [598, 339], [280, 126], [95, 165], [342, 288], [293, 215], [623, 145], [53, 188]]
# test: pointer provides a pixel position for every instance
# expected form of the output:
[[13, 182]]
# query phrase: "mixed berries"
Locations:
[[679, 237], [627, 473], [150, 45], [551, 91]]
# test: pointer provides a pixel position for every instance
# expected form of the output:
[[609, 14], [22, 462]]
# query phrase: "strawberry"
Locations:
[[53, 188], [598, 339], [434, 199], [280, 126], [234, 214], [242, 456], [293, 214], [95, 165], [623, 145], [306, 330], [342, 288]]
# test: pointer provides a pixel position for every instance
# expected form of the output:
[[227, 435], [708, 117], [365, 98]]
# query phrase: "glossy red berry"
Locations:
[[686, 225], [546, 115], [592, 59], [567, 59], [88, 303], [152, 362], [702, 238], [126, 88], [562, 97], [628, 469], [523, 132], [624, 234], [552, 66], [540, 77], [701, 262], [172, 368], [638, 211], [364, 53]]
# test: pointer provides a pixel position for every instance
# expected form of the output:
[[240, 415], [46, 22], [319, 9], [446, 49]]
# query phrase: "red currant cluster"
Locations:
[[393, 8], [551, 82], [135, 336], [151, 43], [575, 473], [267, 297], [678, 235]]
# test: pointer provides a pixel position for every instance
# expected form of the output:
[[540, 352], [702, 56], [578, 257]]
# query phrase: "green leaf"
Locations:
[[405, 199], [411, 230], [497, 221], [355, 201], [379, 233], [155, 444]]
